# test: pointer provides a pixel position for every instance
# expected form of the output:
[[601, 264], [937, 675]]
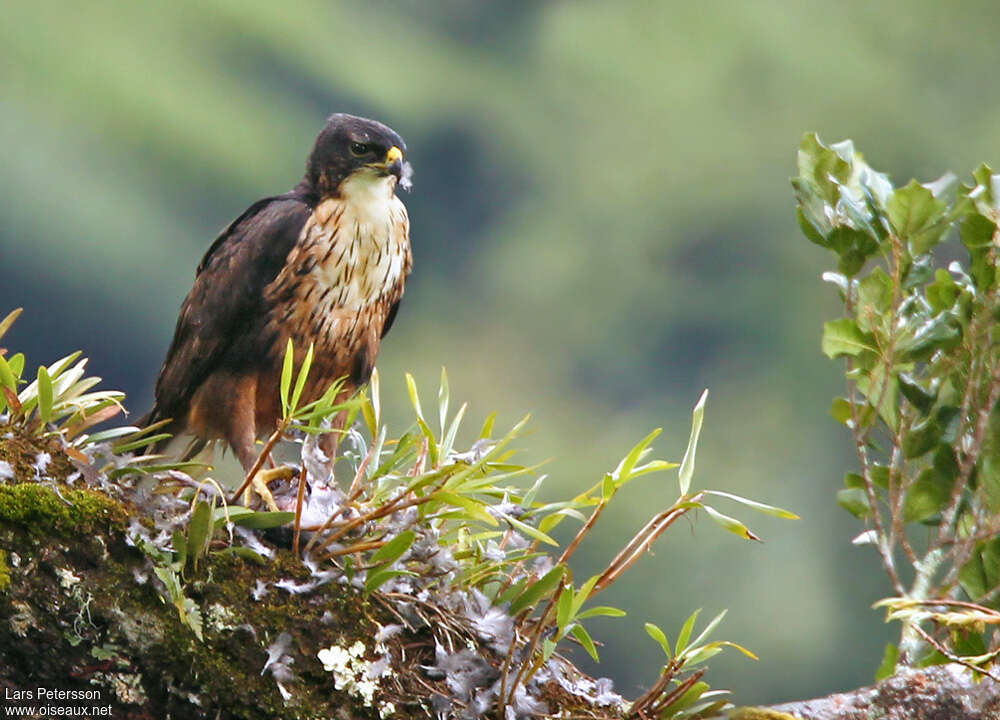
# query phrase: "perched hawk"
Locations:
[[325, 263]]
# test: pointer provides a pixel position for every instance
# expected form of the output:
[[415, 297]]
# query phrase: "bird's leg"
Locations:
[[328, 442], [242, 436]]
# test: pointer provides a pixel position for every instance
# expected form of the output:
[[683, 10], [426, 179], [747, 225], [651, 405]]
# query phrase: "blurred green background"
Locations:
[[602, 226]]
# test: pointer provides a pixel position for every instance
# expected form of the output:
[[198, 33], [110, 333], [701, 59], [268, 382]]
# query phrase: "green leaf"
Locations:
[[843, 337], [378, 578], [874, 299], [840, 410], [915, 393], [7, 377], [608, 487], [394, 549], [246, 554], [759, 506], [487, 429], [623, 472], [581, 634], [854, 501], [731, 524], [262, 520], [539, 589], [286, 376], [685, 634], [300, 382], [917, 216], [601, 611], [687, 464], [44, 394], [581, 595], [411, 389], [657, 634], [689, 698], [888, 666], [475, 508], [199, 532], [927, 496], [564, 609], [180, 548], [443, 398], [709, 629], [9, 320]]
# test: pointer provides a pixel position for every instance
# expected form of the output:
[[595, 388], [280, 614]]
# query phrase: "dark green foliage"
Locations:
[[922, 349]]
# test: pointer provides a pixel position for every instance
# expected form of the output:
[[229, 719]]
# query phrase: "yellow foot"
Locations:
[[260, 482]]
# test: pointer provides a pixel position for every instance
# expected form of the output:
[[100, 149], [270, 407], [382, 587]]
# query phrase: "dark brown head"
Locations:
[[349, 144]]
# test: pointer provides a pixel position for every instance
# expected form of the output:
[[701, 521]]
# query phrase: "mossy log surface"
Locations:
[[79, 611]]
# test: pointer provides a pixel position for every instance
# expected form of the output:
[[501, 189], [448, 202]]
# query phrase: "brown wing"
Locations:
[[222, 321]]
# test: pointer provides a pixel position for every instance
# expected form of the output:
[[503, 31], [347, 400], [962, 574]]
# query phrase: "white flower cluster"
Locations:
[[355, 675]]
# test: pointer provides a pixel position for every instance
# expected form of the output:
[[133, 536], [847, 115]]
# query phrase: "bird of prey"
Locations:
[[323, 264]]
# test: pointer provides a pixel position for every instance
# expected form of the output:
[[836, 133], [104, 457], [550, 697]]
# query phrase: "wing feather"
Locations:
[[222, 321]]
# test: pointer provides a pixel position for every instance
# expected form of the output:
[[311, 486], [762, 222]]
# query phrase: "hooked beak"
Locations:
[[395, 165]]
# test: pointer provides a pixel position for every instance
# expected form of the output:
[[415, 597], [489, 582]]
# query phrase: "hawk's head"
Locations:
[[349, 146]]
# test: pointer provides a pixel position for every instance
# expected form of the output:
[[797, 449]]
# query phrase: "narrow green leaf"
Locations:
[[378, 578], [300, 382], [475, 508], [443, 397], [600, 611], [624, 470], [394, 549], [687, 464], [487, 430], [9, 320], [199, 531], [263, 520], [533, 533], [245, 553], [286, 376], [685, 634], [7, 378], [731, 524], [448, 444], [581, 634], [44, 394], [657, 634], [411, 389], [759, 506], [538, 590], [16, 363], [580, 596], [180, 548], [686, 700], [888, 666], [712, 624], [548, 647], [564, 609]]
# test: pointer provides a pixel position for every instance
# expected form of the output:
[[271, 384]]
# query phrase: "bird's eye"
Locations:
[[359, 149]]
